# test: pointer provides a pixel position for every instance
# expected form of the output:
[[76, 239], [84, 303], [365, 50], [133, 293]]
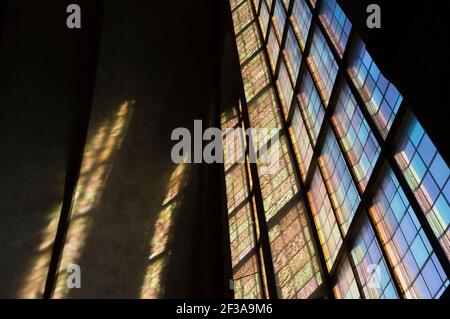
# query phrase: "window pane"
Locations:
[[381, 98], [293, 55], [244, 255], [343, 193], [264, 19], [325, 221], [427, 175], [356, 137], [276, 175], [285, 88], [273, 49], [372, 270], [279, 18], [323, 66], [336, 24], [302, 144], [346, 287], [417, 269], [301, 21], [248, 42], [295, 260], [255, 75], [311, 106], [264, 117], [242, 16]]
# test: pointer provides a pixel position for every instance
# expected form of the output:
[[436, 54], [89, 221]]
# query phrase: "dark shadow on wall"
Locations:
[[143, 237], [46, 88]]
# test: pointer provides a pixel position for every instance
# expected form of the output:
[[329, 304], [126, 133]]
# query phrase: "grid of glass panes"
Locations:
[[415, 265], [355, 136], [341, 189], [310, 105], [336, 24], [292, 54], [381, 97], [301, 21], [336, 164], [302, 145], [323, 65], [325, 220], [248, 42], [244, 259], [273, 49], [300, 275], [345, 286], [279, 19], [371, 266], [428, 176], [285, 88], [264, 18]]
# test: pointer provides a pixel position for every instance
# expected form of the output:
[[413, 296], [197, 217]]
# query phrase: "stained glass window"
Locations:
[[302, 144], [279, 18], [340, 198], [323, 66], [356, 137], [285, 87], [346, 287], [255, 75], [244, 257], [278, 183], [248, 42], [336, 24], [381, 97], [264, 117], [325, 220], [427, 175], [293, 55], [301, 21], [343, 193], [273, 49], [247, 283], [242, 16], [372, 269], [295, 260], [264, 18], [311, 106], [419, 273]]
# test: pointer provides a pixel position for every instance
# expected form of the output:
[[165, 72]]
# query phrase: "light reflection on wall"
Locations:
[[34, 283], [95, 169], [160, 250]]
